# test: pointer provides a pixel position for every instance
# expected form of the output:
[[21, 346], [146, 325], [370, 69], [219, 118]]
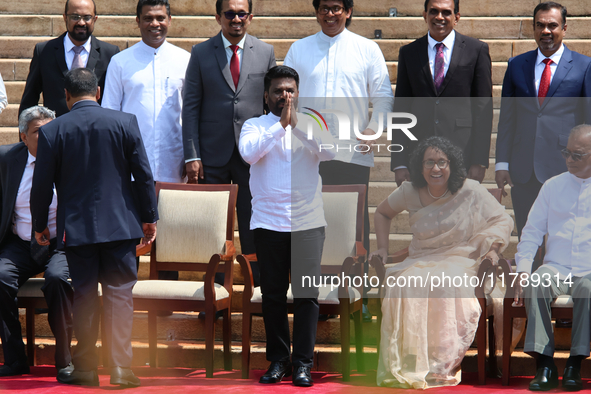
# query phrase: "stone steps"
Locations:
[[302, 7]]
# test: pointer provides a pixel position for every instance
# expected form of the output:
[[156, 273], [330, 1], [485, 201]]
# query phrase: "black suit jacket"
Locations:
[[213, 108], [48, 69], [461, 111], [13, 159], [90, 154]]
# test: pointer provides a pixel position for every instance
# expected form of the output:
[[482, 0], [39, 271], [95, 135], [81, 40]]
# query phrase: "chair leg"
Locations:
[[227, 333], [379, 319], [507, 333], [30, 322], [153, 338], [345, 340], [481, 342], [209, 341], [246, 334], [492, 348], [359, 355]]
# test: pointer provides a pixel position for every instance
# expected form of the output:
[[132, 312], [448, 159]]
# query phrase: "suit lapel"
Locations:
[[16, 173], [247, 62], [60, 54], [424, 61], [220, 54], [95, 53], [456, 55], [562, 69], [529, 72]]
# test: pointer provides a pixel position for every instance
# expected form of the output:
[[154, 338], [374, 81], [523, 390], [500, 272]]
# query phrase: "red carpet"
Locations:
[[182, 380]]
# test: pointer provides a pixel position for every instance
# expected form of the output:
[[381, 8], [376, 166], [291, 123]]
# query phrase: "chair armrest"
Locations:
[[229, 251], [244, 262], [208, 284], [360, 250], [142, 249], [398, 256], [377, 264]]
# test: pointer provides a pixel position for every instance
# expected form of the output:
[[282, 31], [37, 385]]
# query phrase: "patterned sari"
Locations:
[[426, 330]]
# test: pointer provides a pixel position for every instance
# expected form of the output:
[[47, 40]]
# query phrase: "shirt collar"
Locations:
[[150, 49], [68, 44], [555, 57], [228, 43], [339, 36], [579, 180], [30, 159], [448, 41]]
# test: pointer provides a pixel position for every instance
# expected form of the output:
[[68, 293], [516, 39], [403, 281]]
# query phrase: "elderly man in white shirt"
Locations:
[[562, 211], [350, 72], [288, 222], [147, 80]]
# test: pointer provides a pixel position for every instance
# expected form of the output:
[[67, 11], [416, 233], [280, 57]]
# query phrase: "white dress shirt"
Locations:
[[538, 71], [230, 52], [563, 211], [345, 66], [22, 222], [284, 181], [148, 82], [68, 48], [448, 48], [3, 98]]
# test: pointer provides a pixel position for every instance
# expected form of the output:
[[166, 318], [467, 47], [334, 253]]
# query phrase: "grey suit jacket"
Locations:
[[213, 108]]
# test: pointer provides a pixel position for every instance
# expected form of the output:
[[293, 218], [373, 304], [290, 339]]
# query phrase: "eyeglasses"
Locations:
[[336, 10], [76, 18], [576, 156], [230, 15], [441, 163]]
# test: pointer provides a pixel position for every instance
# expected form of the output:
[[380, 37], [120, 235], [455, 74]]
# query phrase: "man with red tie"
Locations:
[[542, 101], [223, 88]]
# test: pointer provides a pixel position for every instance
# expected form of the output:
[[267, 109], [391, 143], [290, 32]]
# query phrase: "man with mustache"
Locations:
[[541, 103], [73, 49], [223, 89]]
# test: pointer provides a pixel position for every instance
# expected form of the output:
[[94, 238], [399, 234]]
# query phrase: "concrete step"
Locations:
[[400, 241], [289, 27], [301, 7]]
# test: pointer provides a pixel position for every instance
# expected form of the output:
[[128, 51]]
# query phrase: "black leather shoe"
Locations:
[[277, 370], [218, 314], [571, 379], [302, 377], [124, 377], [546, 379], [65, 370], [83, 378], [16, 368]]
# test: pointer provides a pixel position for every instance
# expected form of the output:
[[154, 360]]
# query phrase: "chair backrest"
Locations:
[[195, 222], [343, 211]]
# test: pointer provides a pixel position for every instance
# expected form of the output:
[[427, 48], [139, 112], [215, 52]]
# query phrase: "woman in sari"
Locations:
[[429, 321]]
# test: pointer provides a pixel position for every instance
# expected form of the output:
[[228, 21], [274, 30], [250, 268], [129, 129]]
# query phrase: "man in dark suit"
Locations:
[[21, 258], [91, 153], [223, 88], [541, 103], [76, 48], [444, 79]]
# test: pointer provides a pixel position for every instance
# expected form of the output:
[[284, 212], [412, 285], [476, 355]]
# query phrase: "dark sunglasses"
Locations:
[[230, 15], [576, 156]]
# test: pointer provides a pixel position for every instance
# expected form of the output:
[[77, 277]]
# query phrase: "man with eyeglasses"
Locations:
[[350, 72], [73, 49], [562, 212], [545, 94], [224, 88]]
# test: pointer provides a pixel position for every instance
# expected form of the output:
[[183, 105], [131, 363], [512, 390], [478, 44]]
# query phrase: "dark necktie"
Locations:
[[439, 67], [39, 253], [235, 65], [545, 81]]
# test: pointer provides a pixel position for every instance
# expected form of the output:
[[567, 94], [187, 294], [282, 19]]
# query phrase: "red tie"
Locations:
[[235, 65], [545, 81]]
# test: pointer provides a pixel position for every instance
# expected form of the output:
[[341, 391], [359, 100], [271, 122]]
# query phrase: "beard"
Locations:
[[80, 35]]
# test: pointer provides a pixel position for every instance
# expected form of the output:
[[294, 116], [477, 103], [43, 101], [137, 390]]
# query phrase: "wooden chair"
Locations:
[[562, 308], [195, 233], [483, 298], [343, 255]]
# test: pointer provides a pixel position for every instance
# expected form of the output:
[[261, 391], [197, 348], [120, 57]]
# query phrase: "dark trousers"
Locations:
[[523, 196], [16, 266], [280, 253], [112, 264], [336, 172], [238, 172]]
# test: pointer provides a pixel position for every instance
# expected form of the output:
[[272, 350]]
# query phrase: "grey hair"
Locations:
[[582, 129], [34, 113]]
